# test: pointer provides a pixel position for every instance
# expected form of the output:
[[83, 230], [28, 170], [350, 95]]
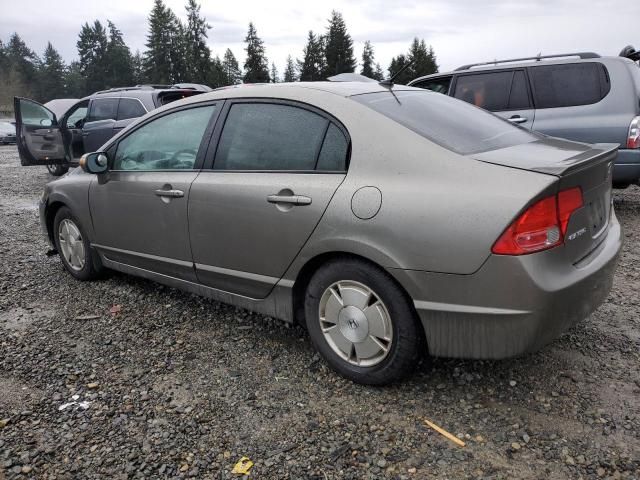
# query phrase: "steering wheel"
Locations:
[[185, 161]]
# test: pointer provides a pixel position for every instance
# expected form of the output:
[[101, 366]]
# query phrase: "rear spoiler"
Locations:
[[599, 153]]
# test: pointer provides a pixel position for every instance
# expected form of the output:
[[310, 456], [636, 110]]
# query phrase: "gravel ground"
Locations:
[[180, 386]]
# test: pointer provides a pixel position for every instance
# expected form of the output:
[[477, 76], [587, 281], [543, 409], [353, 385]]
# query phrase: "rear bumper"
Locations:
[[512, 305], [627, 168]]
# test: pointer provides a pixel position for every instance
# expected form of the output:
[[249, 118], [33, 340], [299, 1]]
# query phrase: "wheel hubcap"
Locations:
[[355, 323], [71, 244]]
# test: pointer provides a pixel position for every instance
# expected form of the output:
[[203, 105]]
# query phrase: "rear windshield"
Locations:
[[451, 123], [168, 97]]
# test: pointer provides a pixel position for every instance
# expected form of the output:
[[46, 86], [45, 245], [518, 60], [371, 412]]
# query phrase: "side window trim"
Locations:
[[214, 142], [204, 142]]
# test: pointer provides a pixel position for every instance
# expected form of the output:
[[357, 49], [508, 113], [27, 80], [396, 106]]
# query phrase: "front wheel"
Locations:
[[56, 169], [362, 323], [73, 246]]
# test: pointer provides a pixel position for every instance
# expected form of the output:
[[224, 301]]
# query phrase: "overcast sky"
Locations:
[[460, 31]]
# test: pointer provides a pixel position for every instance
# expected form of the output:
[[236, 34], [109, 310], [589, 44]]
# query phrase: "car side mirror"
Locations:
[[46, 122], [96, 162]]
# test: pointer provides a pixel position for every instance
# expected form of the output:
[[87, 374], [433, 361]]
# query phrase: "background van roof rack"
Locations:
[[582, 55]]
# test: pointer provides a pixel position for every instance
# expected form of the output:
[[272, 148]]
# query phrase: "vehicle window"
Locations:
[[76, 119], [333, 155], [440, 85], [264, 136], [519, 98], [130, 108], [485, 90], [35, 114], [170, 142], [103, 109], [455, 125], [569, 85]]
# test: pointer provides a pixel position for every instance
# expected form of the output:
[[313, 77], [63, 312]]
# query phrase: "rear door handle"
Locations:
[[169, 193], [293, 199], [517, 119]]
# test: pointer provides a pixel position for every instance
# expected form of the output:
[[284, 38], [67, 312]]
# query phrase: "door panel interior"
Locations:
[[37, 133]]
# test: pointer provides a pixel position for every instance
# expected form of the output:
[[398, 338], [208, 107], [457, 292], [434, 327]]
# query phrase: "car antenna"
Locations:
[[389, 82]]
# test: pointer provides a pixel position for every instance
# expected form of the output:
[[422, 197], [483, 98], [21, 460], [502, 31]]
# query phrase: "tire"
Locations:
[[332, 291], [73, 247], [57, 170]]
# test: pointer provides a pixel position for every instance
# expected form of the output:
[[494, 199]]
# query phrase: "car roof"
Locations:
[[342, 89], [521, 63], [60, 106]]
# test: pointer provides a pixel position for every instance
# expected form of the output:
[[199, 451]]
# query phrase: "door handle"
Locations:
[[169, 193], [292, 199], [517, 119]]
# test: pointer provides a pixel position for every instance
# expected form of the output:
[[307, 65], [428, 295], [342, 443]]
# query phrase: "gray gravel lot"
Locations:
[[179, 386]]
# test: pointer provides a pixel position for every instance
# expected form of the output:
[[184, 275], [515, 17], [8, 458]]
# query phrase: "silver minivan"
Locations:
[[582, 97]]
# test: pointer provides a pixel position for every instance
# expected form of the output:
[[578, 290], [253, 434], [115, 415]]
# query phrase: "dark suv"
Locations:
[[582, 97], [76, 126]]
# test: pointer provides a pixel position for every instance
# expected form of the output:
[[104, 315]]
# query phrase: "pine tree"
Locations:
[[92, 47], [378, 74], [119, 62], [137, 67], [164, 59], [198, 55], [338, 47], [312, 65], [290, 74], [74, 82], [51, 75], [273, 75], [397, 63], [216, 76], [256, 68], [22, 67], [230, 68], [424, 60], [367, 60]]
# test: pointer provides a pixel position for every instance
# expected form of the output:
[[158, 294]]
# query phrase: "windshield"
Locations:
[[451, 123]]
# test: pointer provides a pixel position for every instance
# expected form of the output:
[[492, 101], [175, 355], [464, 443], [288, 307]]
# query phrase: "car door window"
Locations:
[[130, 108], [569, 85], [519, 97], [333, 155], [485, 90], [170, 142], [439, 85], [35, 114], [77, 117], [264, 136], [103, 109]]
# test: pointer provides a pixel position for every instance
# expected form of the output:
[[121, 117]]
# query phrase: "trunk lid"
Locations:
[[589, 167]]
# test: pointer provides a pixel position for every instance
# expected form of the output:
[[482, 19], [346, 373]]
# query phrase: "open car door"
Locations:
[[38, 134]]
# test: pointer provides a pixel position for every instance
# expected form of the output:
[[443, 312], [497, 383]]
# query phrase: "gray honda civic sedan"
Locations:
[[389, 220]]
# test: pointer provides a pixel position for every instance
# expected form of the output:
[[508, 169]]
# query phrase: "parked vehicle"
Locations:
[[72, 127], [581, 96], [7, 133], [337, 205]]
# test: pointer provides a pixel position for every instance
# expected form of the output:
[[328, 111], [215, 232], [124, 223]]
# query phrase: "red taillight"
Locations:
[[542, 226], [633, 138]]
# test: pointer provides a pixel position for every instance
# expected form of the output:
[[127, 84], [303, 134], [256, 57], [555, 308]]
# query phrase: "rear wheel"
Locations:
[[73, 246], [56, 169], [362, 323]]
